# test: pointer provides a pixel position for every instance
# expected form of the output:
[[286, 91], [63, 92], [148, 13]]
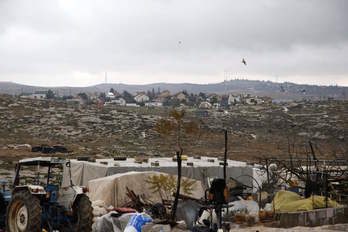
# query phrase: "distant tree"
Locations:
[[213, 100], [112, 90], [83, 96], [171, 102], [67, 97], [224, 101], [50, 94], [175, 128], [165, 185], [128, 97], [150, 95], [102, 96], [191, 100], [203, 96]]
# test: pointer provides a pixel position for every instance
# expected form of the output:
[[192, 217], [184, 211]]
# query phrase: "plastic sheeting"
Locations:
[[112, 189], [285, 201], [111, 222], [83, 171]]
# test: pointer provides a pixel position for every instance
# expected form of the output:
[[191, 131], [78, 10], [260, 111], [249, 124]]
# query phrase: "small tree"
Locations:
[[176, 128], [165, 185], [128, 97], [50, 94], [84, 97]]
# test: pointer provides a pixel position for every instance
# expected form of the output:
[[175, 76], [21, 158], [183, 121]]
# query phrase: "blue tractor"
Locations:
[[46, 199]]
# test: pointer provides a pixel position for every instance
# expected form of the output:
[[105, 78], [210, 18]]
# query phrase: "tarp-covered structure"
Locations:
[[286, 201], [113, 189], [202, 168]]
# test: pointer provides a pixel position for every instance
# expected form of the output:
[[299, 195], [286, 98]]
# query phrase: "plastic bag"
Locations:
[[249, 207], [137, 221]]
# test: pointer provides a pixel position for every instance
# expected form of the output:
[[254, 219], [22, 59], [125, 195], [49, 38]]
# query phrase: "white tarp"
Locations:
[[83, 171], [112, 189]]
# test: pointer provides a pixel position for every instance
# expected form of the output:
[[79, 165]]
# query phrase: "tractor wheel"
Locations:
[[2, 211], [24, 213], [82, 214]]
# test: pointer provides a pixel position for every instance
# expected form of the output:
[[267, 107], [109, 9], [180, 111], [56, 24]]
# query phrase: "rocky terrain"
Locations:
[[269, 130]]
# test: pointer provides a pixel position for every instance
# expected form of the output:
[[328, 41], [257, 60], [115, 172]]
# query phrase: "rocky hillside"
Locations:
[[278, 91]]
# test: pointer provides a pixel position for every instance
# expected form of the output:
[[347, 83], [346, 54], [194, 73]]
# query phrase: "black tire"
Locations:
[[83, 214], [2, 211], [24, 213]]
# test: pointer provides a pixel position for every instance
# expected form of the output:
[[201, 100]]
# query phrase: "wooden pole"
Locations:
[[225, 155]]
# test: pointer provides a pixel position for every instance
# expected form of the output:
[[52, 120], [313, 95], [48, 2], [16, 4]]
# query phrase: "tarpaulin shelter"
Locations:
[[198, 169], [112, 189]]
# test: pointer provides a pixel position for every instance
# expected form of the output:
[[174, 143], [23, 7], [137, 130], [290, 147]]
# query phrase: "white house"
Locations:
[[233, 99], [141, 98], [110, 95], [154, 104], [216, 105], [132, 105], [35, 96], [205, 105], [181, 96], [120, 102]]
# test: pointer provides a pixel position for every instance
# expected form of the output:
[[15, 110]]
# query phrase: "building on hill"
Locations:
[[216, 105], [141, 98], [119, 102], [35, 96], [154, 104], [164, 94], [232, 99], [110, 95], [181, 96], [205, 105]]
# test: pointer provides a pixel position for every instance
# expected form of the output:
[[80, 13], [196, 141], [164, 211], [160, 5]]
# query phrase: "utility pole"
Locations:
[[225, 156]]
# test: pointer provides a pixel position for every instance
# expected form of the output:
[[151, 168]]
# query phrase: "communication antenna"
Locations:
[[106, 77]]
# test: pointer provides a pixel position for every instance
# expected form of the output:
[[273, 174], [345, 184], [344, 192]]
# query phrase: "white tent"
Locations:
[[199, 169], [112, 189]]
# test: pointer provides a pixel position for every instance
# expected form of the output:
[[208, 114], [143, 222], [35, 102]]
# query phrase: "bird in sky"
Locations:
[[244, 62]]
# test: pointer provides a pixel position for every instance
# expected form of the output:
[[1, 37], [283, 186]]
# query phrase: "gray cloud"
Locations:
[[74, 42]]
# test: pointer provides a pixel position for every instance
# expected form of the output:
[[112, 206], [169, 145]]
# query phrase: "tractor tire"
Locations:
[[83, 214], [2, 211], [24, 213]]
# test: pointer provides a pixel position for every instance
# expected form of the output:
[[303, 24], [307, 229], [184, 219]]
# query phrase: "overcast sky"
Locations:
[[67, 42]]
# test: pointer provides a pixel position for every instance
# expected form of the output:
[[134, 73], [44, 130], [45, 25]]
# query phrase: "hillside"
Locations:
[[278, 91]]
